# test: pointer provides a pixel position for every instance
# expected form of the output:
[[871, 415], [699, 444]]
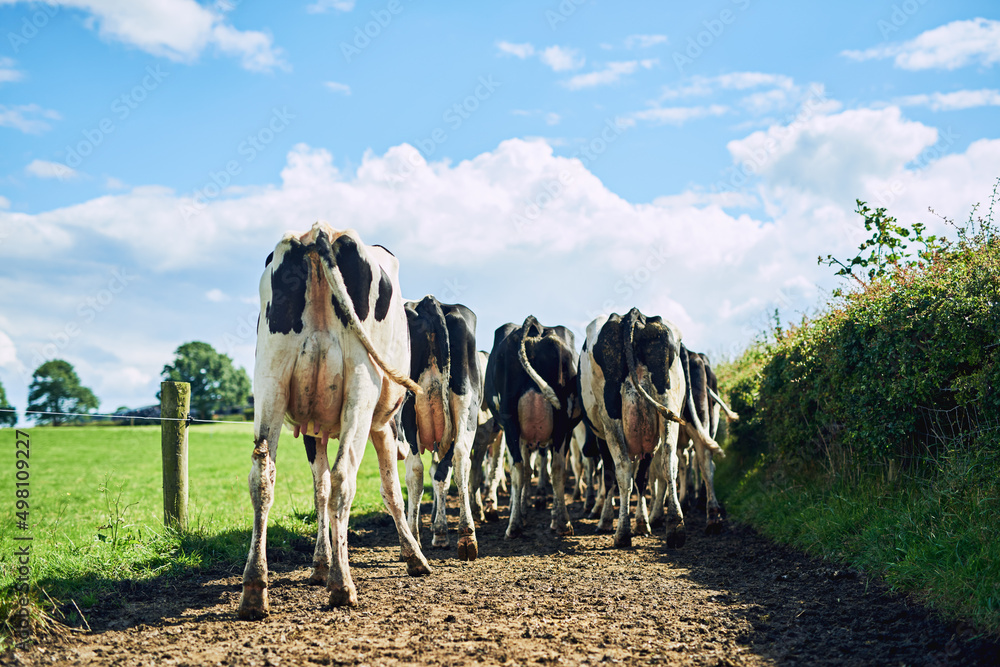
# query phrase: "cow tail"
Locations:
[[522, 355], [630, 323], [689, 397], [339, 290], [725, 408]]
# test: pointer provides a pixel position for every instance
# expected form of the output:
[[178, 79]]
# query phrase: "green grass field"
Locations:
[[96, 505]]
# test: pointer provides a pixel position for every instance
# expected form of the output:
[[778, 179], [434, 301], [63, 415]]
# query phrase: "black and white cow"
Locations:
[[487, 448], [701, 412], [532, 390], [331, 336], [444, 417], [633, 390]]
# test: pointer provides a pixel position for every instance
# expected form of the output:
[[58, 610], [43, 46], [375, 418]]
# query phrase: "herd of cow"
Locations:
[[334, 342]]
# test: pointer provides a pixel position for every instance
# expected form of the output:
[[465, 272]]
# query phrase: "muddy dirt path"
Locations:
[[730, 599]]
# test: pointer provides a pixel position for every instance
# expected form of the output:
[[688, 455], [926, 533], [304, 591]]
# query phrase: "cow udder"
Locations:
[[534, 414]]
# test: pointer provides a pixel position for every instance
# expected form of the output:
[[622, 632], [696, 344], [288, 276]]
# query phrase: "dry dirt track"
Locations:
[[731, 599]]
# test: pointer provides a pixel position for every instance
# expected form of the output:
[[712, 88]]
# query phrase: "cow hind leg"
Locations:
[[468, 547], [623, 473], [518, 494], [494, 475], [392, 496], [560, 515], [254, 599], [476, 477], [439, 520], [544, 483], [320, 464], [676, 535], [414, 493]]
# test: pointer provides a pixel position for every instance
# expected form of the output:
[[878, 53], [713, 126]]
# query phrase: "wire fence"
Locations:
[[189, 420]]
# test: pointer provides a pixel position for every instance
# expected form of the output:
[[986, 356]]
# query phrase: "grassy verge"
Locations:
[[96, 508], [931, 532]]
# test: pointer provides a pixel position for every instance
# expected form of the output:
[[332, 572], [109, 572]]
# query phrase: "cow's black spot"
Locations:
[[288, 291], [310, 443], [357, 273], [384, 296], [270, 256], [609, 353], [655, 347], [461, 324]]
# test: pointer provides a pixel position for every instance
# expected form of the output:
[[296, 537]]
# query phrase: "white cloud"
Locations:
[[521, 51], [552, 118], [323, 6], [8, 73], [46, 169], [216, 295], [644, 41], [953, 45], [959, 99], [112, 183], [833, 155], [4, 203], [678, 115], [612, 73], [8, 352], [27, 118], [176, 29], [709, 85], [341, 88], [561, 59]]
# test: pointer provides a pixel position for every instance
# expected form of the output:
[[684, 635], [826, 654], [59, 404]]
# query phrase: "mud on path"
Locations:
[[730, 599]]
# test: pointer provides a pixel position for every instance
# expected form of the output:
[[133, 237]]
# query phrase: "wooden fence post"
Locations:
[[175, 403]]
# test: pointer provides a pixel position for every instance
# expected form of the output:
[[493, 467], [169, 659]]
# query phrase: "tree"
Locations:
[[55, 387], [6, 418], [216, 385]]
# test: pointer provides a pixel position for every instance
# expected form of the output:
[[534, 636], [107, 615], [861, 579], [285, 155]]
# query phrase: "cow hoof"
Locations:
[[658, 522], [513, 532], [253, 603], [417, 566], [565, 530], [676, 538], [319, 574], [714, 527], [604, 528], [623, 542], [642, 528], [468, 549], [491, 514], [539, 503], [440, 541], [344, 597]]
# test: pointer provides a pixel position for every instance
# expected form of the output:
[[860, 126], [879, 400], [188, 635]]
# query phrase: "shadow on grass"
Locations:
[[181, 576]]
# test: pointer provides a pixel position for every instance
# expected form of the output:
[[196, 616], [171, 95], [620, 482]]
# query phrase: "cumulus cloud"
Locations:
[[46, 169], [521, 51], [561, 58], [644, 41], [28, 118], [8, 72], [176, 29], [959, 99], [953, 45], [216, 295], [611, 73]]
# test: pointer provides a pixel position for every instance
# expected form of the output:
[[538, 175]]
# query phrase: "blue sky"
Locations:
[[559, 159]]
